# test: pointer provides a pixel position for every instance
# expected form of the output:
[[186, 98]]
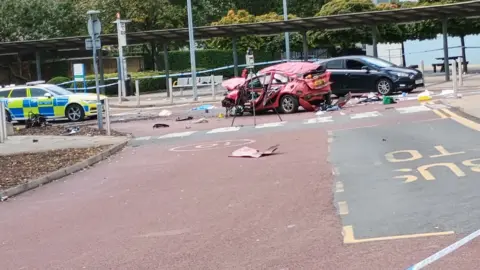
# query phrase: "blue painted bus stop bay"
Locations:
[[394, 181]]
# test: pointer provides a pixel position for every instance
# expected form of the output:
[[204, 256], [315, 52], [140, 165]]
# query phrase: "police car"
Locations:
[[49, 100]]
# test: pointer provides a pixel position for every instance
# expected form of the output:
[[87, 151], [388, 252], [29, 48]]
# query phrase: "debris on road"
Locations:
[[71, 130], [184, 119], [20, 168], [200, 121], [370, 97], [165, 113], [160, 126], [203, 107], [388, 100], [253, 153], [424, 96]]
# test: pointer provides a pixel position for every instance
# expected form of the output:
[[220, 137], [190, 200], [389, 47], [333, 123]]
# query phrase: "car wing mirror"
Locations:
[[366, 68], [48, 95]]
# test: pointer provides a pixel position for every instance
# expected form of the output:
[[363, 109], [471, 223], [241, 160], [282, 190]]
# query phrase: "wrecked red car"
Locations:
[[283, 87]]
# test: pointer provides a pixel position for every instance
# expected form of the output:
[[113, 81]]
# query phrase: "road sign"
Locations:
[[250, 61], [89, 45], [122, 33], [94, 27], [79, 72]]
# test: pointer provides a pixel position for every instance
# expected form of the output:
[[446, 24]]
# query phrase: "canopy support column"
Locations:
[[445, 50], [167, 67], [374, 41], [235, 57], [305, 46], [38, 62]]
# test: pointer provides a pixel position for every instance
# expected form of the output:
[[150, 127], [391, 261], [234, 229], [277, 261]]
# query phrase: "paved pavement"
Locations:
[[328, 200], [21, 144]]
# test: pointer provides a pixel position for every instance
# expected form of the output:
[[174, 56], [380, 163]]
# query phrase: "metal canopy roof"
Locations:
[[461, 10]]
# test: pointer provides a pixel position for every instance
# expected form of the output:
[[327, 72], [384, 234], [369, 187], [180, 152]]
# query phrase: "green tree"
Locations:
[[343, 38], [145, 15], [38, 19], [267, 43]]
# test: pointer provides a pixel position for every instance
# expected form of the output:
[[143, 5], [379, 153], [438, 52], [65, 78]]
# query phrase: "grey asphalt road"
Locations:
[[328, 200], [414, 178]]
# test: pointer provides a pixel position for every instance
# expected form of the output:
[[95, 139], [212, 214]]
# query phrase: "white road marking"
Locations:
[[267, 125], [143, 138], [225, 129], [365, 115], [176, 135], [325, 119], [413, 109]]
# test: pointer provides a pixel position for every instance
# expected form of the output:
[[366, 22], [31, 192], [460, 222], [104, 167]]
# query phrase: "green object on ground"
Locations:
[[388, 100]]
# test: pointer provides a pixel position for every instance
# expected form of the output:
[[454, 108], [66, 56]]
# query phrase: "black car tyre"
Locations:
[[384, 86], [8, 116], [288, 104], [75, 113]]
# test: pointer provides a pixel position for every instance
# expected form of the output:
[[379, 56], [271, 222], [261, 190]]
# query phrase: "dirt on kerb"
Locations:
[[20, 168], [60, 130]]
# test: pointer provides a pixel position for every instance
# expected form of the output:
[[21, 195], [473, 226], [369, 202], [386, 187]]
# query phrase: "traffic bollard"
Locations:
[[212, 80], [460, 71], [170, 87], [107, 116], [119, 91], [422, 69], [3, 123], [454, 77], [137, 92]]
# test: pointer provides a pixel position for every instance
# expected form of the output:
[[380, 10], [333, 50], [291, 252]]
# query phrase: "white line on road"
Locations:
[[267, 125], [413, 109], [319, 120], [225, 129], [365, 115], [143, 138], [176, 135]]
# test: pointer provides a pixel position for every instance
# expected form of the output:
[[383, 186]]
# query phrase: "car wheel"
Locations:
[[8, 116], [75, 113], [288, 104], [384, 86]]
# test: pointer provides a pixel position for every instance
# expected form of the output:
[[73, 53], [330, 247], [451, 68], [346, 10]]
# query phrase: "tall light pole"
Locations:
[[287, 35], [191, 41]]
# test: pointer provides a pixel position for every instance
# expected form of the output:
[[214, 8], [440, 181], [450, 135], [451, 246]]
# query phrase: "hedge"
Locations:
[[146, 84], [208, 59]]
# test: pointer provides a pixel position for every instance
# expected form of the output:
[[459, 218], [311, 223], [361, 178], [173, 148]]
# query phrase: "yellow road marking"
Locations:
[[349, 237], [439, 113], [343, 208], [339, 187], [464, 121]]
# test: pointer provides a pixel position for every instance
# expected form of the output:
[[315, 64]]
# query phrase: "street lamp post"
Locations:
[[287, 35], [191, 40], [94, 29]]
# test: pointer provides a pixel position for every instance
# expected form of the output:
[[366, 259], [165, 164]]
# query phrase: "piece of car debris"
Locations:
[[160, 126], [199, 121], [165, 113], [34, 140], [184, 118], [253, 153]]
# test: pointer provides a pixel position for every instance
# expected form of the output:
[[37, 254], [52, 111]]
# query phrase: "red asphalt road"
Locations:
[[144, 128], [149, 208]]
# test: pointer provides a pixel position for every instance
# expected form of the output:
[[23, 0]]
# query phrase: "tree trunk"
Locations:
[[464, 57], [153, 48], [404, 63]]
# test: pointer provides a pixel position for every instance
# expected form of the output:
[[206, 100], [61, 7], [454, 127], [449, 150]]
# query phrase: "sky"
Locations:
[[428, 50]]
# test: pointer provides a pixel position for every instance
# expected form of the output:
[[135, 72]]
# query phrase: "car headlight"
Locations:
[[400, 74], [90, 101]]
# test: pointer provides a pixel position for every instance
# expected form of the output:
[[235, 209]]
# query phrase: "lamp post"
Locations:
[[94, 29], [191, 41], [287, 35]]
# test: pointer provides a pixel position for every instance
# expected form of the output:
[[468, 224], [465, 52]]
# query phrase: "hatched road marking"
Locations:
[[319, 120]]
